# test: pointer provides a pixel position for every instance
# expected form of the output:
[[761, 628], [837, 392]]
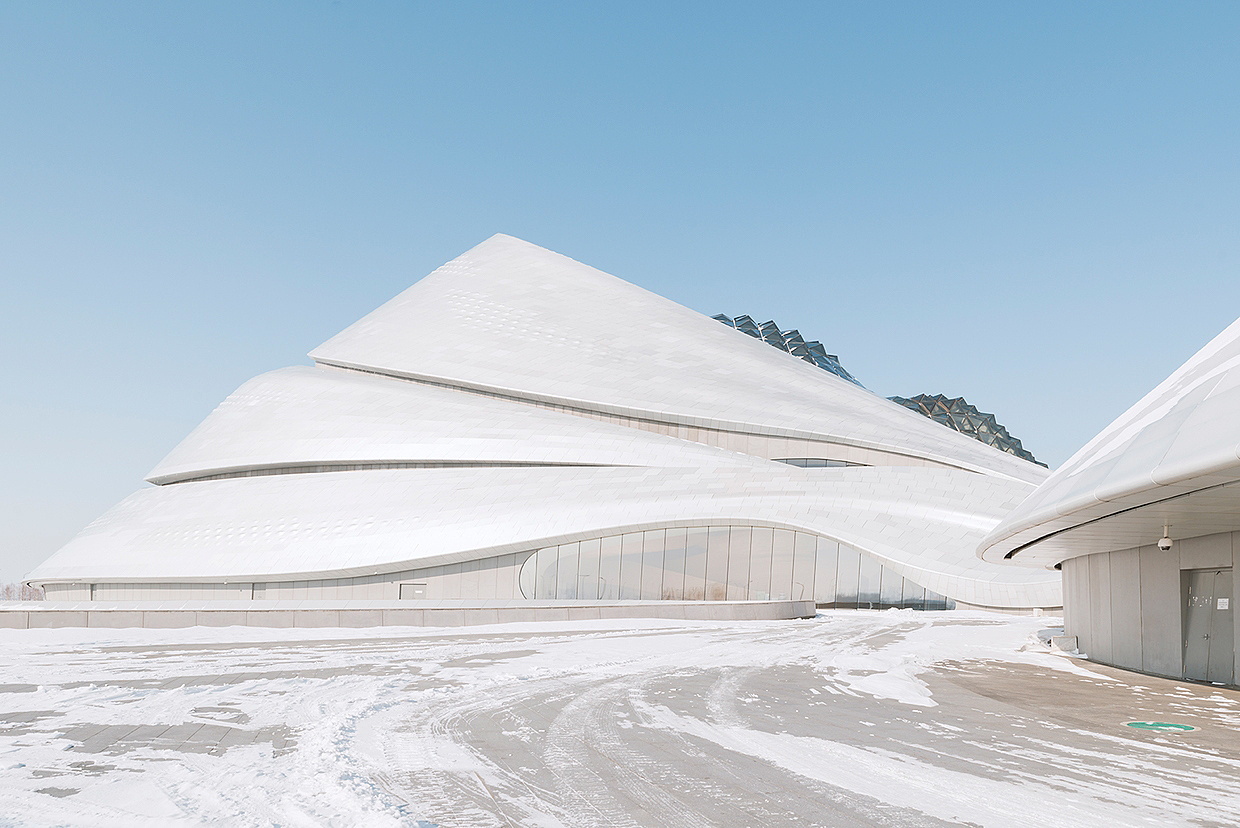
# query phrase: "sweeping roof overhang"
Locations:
[[513, 318], [305, 416], [1173, 458]]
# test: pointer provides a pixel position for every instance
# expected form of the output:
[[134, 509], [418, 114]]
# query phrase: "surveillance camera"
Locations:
[[1164, 544]]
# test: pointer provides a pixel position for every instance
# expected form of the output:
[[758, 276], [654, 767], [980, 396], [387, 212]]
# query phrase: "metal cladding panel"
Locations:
[[1211, 551], [512, 317], [1126, 608], [1235, 632], [1161, 619], [1076, 616], [1181, 438], [1099, 607], [363, 522]]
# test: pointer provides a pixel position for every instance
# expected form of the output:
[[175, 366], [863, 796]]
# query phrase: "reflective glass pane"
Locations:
[[846, 575], [695, 563], [587, 570], [631, 566], [566, 576], [674, 565], [609, 568], [740, 538], [546, 583], [760, 564], [717, 563], [826, 569], [892, 589], [803, 567], [869, 586], [781, 564], [526, 579], [914, 596], [652, 565]]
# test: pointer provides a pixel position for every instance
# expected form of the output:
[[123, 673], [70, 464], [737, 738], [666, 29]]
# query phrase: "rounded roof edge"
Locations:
[[1156, 463]]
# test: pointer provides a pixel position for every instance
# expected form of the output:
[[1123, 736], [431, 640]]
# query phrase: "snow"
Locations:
[[580, 723]]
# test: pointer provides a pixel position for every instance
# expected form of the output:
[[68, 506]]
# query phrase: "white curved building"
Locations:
[[519, 425], [1170, 463]]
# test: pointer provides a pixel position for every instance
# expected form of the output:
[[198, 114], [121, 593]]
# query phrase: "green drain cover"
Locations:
[[1160, 726]]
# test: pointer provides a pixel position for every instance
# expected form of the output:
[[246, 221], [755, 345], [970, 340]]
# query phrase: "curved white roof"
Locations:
[[351, 468], [513, 318], [1168, 459], [303, 416]]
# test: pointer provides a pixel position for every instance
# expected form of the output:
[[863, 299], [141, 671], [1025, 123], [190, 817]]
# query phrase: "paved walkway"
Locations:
[[853, 719]]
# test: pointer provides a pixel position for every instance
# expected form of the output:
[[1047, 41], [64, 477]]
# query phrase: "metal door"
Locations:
[[1209, 651]]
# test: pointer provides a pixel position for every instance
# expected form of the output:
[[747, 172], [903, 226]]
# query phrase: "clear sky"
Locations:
[[1033, 205]]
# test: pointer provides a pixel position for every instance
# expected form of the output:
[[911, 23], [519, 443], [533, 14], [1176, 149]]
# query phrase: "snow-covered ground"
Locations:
[[853, 718]]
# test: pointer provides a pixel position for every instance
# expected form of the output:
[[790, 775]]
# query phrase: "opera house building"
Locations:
[[518, 426]]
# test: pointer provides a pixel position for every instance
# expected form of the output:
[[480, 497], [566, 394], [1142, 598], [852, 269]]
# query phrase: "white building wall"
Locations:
[[1125, 611], [1161, 624], [1126, 607], [1099, 607]]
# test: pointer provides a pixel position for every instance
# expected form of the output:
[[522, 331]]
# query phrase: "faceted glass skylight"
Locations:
[[953, 412], [956, 413], [792, 342]]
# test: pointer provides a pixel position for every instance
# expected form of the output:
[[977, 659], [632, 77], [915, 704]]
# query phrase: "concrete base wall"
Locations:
[[310, 614], [484, 579], [1036, 611], [1126, 608]]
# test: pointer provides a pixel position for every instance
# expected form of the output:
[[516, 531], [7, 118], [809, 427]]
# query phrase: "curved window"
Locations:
[[815, 462], [718, 563]]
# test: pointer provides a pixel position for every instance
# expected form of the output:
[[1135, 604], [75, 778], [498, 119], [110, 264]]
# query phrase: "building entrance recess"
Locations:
[[1209, 651]]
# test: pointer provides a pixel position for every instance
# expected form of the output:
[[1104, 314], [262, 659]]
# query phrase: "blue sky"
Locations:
[[1031, 205]]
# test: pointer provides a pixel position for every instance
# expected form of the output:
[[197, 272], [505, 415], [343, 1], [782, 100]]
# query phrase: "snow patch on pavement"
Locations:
[[877, 666], [400, 726]]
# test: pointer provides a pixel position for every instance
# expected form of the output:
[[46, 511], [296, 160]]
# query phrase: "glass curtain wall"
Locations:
[[716, 563]]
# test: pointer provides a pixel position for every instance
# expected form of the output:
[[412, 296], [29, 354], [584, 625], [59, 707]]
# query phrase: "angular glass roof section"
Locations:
[[956, 413], [792, 342]]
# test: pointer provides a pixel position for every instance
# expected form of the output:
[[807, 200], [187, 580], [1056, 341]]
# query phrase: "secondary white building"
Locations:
[[519, 425], [1144, 522]]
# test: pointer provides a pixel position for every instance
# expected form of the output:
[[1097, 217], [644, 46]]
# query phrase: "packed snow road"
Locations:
[[850, 719]]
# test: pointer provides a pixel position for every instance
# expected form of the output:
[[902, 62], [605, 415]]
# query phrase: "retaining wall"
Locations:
[[307, 614]]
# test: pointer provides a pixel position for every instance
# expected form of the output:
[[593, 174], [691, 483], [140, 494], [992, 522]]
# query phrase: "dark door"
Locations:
[[1209, 649]]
